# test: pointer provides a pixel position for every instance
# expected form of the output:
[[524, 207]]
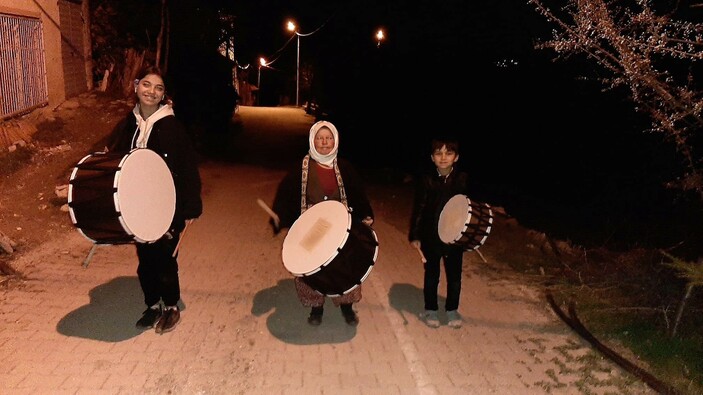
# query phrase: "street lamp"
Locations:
[[292, 27], [379, 37], [262, 63]]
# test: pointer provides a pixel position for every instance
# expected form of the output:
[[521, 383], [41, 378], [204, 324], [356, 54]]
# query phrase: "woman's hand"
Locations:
[[367, 221]]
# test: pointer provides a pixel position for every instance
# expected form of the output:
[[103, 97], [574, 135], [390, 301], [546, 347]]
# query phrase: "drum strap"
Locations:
[[304, 184]]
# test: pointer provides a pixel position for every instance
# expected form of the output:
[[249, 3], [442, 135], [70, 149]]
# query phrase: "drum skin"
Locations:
[[465, 223], [120, 198], [329, 251]]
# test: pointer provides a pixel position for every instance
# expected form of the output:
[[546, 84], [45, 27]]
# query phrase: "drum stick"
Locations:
[[270, 212], [183, 234], [422, 256], [481, 255]]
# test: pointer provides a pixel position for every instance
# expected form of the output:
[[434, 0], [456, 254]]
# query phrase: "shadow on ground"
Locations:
[[288, 322], [110, 316]]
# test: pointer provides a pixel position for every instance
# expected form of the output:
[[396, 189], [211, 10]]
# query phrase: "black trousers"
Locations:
[[452, 270], [158, 271]]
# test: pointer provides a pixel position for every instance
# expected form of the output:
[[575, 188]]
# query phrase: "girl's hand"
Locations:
[[416, 245]]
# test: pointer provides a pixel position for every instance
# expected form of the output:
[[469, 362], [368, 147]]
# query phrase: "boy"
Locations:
[[432, 192]]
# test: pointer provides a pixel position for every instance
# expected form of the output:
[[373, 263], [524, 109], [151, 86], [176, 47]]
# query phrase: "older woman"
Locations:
[[322, 176]]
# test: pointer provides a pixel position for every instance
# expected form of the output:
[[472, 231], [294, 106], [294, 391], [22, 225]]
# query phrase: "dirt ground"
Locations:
[[34, 177]]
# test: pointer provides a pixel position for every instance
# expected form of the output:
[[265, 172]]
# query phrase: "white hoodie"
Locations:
[[144, 126]]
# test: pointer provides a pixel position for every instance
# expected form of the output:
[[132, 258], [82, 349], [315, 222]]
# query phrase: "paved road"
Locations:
[[69, 329]]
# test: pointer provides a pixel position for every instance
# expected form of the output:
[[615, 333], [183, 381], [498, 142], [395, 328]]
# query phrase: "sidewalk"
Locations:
[[68, 329]]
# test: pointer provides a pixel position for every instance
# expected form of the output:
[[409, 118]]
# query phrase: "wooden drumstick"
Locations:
[[274, 216], [419, 251], [183, 233]]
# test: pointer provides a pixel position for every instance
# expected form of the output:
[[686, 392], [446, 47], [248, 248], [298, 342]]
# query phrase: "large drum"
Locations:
[[465, 223], [117, 198], [330, 252]]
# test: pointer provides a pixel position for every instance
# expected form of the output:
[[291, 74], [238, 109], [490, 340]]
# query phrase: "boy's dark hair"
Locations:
[[438, 143]]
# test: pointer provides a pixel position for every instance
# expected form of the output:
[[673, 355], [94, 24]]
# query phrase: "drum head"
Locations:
[[315, 237], [146, 195], [454, 218]]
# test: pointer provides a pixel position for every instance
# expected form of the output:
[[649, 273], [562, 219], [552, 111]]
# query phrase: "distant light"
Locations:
[[262, 62], [379, 37], [505, 63], [291, 26]]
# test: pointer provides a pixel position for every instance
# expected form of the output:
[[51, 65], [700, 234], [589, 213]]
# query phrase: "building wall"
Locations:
[[48, 12], [72, 48]]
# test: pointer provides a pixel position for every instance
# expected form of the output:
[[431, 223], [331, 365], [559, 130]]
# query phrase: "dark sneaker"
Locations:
[[150, 318], [169, 321], [315, 319], [351, 318], [454, 318], [349, 314], [431, 319]]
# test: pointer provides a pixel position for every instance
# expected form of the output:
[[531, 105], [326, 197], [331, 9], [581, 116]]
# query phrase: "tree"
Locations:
[[120, 29], [87, 44], [651, 55], [163, 32]]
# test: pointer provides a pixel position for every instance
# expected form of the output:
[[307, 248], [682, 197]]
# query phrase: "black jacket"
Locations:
[[287, 200], [432, 192], [171, 141]]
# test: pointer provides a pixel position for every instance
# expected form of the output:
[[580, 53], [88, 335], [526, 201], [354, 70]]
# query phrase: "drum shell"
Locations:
[[92, 199], [465, 223], [329, 251], [350, 267]]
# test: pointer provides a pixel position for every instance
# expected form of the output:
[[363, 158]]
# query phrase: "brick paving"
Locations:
[[69, 329]]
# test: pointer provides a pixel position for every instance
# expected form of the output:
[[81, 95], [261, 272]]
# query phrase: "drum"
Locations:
[[465, 223], [330, 252], [117, 198]]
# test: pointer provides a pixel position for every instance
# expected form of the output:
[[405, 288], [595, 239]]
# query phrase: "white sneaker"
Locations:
[[431, 318], [454, 319]]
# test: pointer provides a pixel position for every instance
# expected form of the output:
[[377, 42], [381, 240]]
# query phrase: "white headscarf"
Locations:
[[319, 158]]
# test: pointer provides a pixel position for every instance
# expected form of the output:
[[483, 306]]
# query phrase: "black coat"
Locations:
[[171, 141], [287, 200]]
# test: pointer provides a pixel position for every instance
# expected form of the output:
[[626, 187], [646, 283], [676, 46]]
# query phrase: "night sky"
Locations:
[[551, 147]]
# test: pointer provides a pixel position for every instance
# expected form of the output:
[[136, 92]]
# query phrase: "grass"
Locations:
[[637, 320]]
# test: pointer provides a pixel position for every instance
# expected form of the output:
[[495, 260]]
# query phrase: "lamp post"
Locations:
[[262, 63], [292, 27]]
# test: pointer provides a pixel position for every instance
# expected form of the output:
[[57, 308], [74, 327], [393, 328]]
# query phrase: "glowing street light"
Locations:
[[379, 37], [292, 27]]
